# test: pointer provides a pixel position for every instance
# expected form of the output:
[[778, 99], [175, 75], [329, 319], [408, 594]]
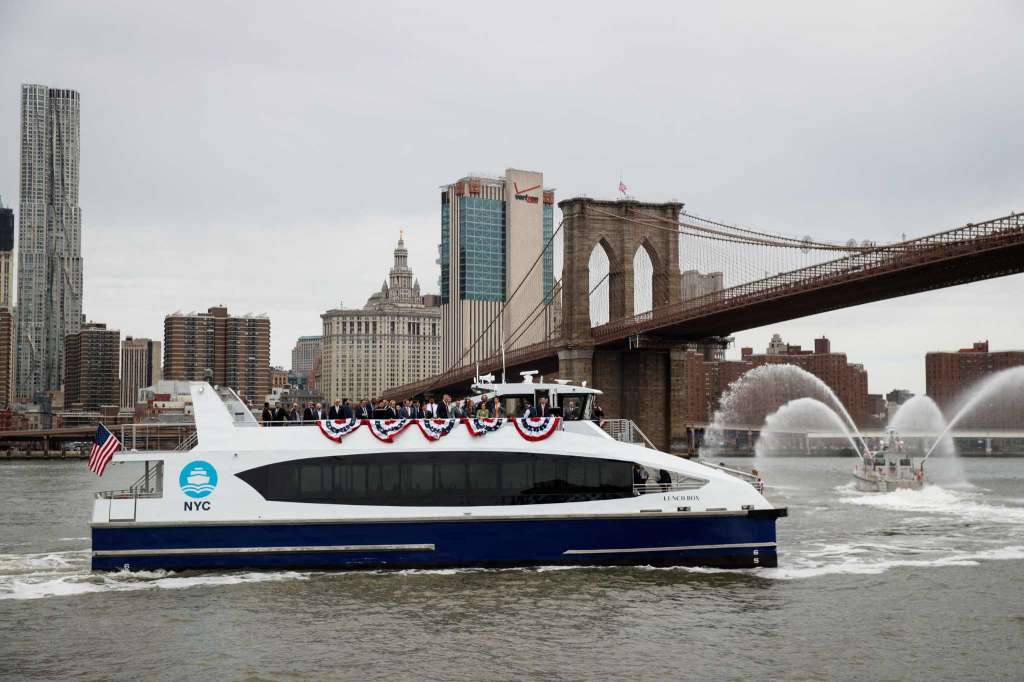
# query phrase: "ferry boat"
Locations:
[[427, 493], [888, 468]]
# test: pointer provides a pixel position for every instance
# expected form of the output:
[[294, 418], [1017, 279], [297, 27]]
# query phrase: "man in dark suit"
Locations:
[[367, 409], [307, 413], [335, 410], [405, 411], [346, 410], [280, 415], [542, 409], [319, 413], [444, 407]]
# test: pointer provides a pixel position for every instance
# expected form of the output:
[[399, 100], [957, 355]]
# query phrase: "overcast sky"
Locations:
[[265, 155]]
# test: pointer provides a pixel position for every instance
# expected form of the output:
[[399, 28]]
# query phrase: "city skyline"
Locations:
[[883, 177]]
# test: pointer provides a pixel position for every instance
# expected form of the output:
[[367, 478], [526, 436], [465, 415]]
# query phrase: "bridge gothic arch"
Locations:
[[621, 228]]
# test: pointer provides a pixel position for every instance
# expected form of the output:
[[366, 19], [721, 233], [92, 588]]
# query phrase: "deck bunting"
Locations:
[[385, 430], [479, 427], [531, 428], [436, 429], [536, 428], [336, 428]]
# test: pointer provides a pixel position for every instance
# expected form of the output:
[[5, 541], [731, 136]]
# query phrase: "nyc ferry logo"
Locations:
[[197, 480]]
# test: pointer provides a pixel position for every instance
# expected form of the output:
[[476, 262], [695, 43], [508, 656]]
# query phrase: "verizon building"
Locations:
[[492, 231]]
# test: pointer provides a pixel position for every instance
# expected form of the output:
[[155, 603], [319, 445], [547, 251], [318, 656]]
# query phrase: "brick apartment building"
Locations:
[[236, 350], [91, 368], [949, 374], [848, 381]]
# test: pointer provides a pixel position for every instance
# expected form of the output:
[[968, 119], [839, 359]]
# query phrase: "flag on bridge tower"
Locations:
[[103, 448], [622, 187]]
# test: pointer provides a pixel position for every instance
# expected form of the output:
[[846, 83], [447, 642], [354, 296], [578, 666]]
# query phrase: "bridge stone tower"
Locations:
[[643, 384], [620, 228]]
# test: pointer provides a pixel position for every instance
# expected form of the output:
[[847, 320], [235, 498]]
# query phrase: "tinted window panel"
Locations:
[[443, 479]]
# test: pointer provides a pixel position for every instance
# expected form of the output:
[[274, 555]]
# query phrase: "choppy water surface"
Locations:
[[907, 585]]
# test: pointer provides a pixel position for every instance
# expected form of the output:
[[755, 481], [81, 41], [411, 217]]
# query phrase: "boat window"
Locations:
[[443, 479]]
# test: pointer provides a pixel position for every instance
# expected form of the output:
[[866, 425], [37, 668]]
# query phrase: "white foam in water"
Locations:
[[35, 577], [803, 568], [939, 500]]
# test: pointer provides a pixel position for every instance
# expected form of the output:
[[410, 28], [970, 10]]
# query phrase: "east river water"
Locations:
[[912, 585]]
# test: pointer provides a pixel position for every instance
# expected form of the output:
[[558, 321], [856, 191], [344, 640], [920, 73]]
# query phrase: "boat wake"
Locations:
[[65, 574], [939, 500]]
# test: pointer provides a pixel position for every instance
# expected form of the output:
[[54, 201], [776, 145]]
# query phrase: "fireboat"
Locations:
[[888, 468]]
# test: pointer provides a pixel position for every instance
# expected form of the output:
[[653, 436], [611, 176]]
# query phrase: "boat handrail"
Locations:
[[729, 470], [147, 436], [624, 430], [149, 485], [683, 484]]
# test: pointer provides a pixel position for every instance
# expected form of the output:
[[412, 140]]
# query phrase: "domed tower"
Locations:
[[401, 278]]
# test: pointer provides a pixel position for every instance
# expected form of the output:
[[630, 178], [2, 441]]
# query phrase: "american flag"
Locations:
[[103, 448], [622, 186]]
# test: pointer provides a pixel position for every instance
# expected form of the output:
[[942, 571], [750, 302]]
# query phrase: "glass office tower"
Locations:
[[492, 231]]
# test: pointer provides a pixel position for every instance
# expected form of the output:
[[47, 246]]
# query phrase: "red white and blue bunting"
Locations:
[[436, 429], [336, 428], [536, 428], [386, 429], [479, 427], [531, 428]]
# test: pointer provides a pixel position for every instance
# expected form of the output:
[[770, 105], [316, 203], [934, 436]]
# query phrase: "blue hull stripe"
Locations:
[[717, 541]]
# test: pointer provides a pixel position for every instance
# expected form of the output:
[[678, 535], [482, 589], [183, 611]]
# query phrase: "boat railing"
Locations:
[[682, 484], [149, 485], [730, 470], [144, 437], [626, 431]]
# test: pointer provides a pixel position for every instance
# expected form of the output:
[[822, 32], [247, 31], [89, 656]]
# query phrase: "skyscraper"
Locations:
[[492, 232], [6, 254], [49, 237], [140, 367], [305, 354], [6, 313], [236, 350]]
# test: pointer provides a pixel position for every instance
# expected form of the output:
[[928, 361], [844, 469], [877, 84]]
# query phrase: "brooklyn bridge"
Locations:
[[643, 283]]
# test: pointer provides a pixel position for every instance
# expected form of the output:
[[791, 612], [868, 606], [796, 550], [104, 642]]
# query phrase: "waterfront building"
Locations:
[[49, 237], [140, 367], [305, 354], [393, 340], [707, 369], [492, 231], [849, 381], [278, 377], [91, 379], [6, 357], [226, 350], [948, 375]]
